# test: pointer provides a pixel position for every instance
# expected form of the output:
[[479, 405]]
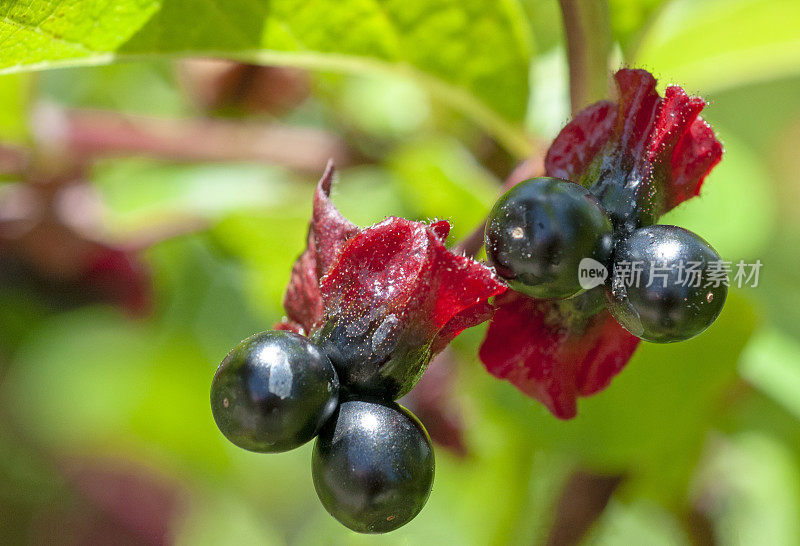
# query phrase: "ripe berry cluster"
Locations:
[[661, 285], [373, 461]]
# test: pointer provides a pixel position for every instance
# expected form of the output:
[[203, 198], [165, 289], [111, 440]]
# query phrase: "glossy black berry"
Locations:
[[539, 231], [373, 466], [369, 356], [666, 284], [273, 392]]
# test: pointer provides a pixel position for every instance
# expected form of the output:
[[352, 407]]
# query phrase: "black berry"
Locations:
[[273, 392], [539, 231], [373, 466], [369, 357], [664, 286]]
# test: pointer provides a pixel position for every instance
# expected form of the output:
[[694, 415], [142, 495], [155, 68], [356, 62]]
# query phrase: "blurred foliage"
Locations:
[[473, 52], [720, 44], [709, 427]]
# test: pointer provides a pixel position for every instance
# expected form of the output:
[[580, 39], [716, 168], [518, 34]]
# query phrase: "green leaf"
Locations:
[[718, 44], [41, 32], [471, 53], [14, 94]]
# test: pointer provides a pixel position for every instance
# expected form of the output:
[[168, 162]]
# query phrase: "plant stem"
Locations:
[[13, 159], [85, 134], [582, 501], [587, 27]]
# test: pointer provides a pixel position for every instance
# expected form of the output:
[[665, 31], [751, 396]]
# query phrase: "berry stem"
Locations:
[[583, 499]]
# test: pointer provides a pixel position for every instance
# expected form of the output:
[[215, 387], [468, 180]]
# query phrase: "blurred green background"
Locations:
[[106, 434]]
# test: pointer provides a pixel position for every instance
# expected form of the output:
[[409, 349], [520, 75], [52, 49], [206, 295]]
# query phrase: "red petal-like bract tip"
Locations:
[[577, 143], [390, 295], [692, 159], [402, 268], [552, 353], [327, 233], [642, 134], [549, 349]]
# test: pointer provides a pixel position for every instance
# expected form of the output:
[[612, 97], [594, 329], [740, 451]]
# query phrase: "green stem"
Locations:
[[587, 25]]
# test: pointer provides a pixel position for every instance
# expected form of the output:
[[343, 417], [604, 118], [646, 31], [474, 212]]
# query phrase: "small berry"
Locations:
[[361, 349], [373, 466], [540, 230], [661, 288], [273, 392]]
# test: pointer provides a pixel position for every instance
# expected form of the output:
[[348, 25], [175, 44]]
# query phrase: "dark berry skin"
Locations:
[[540, 230], [373, 466], [273, 392], [658, 313], [370, 356]]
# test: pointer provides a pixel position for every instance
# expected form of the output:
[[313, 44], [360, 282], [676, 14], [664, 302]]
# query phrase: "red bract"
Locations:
[[554, 352], [327, 233], [402, 268], [653, 151], [119, 276], [69, 268], [385, 298]]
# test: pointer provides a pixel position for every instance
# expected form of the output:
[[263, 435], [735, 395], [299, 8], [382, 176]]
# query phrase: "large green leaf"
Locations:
[[472, 53], [14, 92]]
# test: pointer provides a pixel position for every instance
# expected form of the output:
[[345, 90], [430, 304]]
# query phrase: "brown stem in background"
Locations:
[[699, 527], [90, 134], [583, 499], [472, 243], [13, 159], [588, 31]]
